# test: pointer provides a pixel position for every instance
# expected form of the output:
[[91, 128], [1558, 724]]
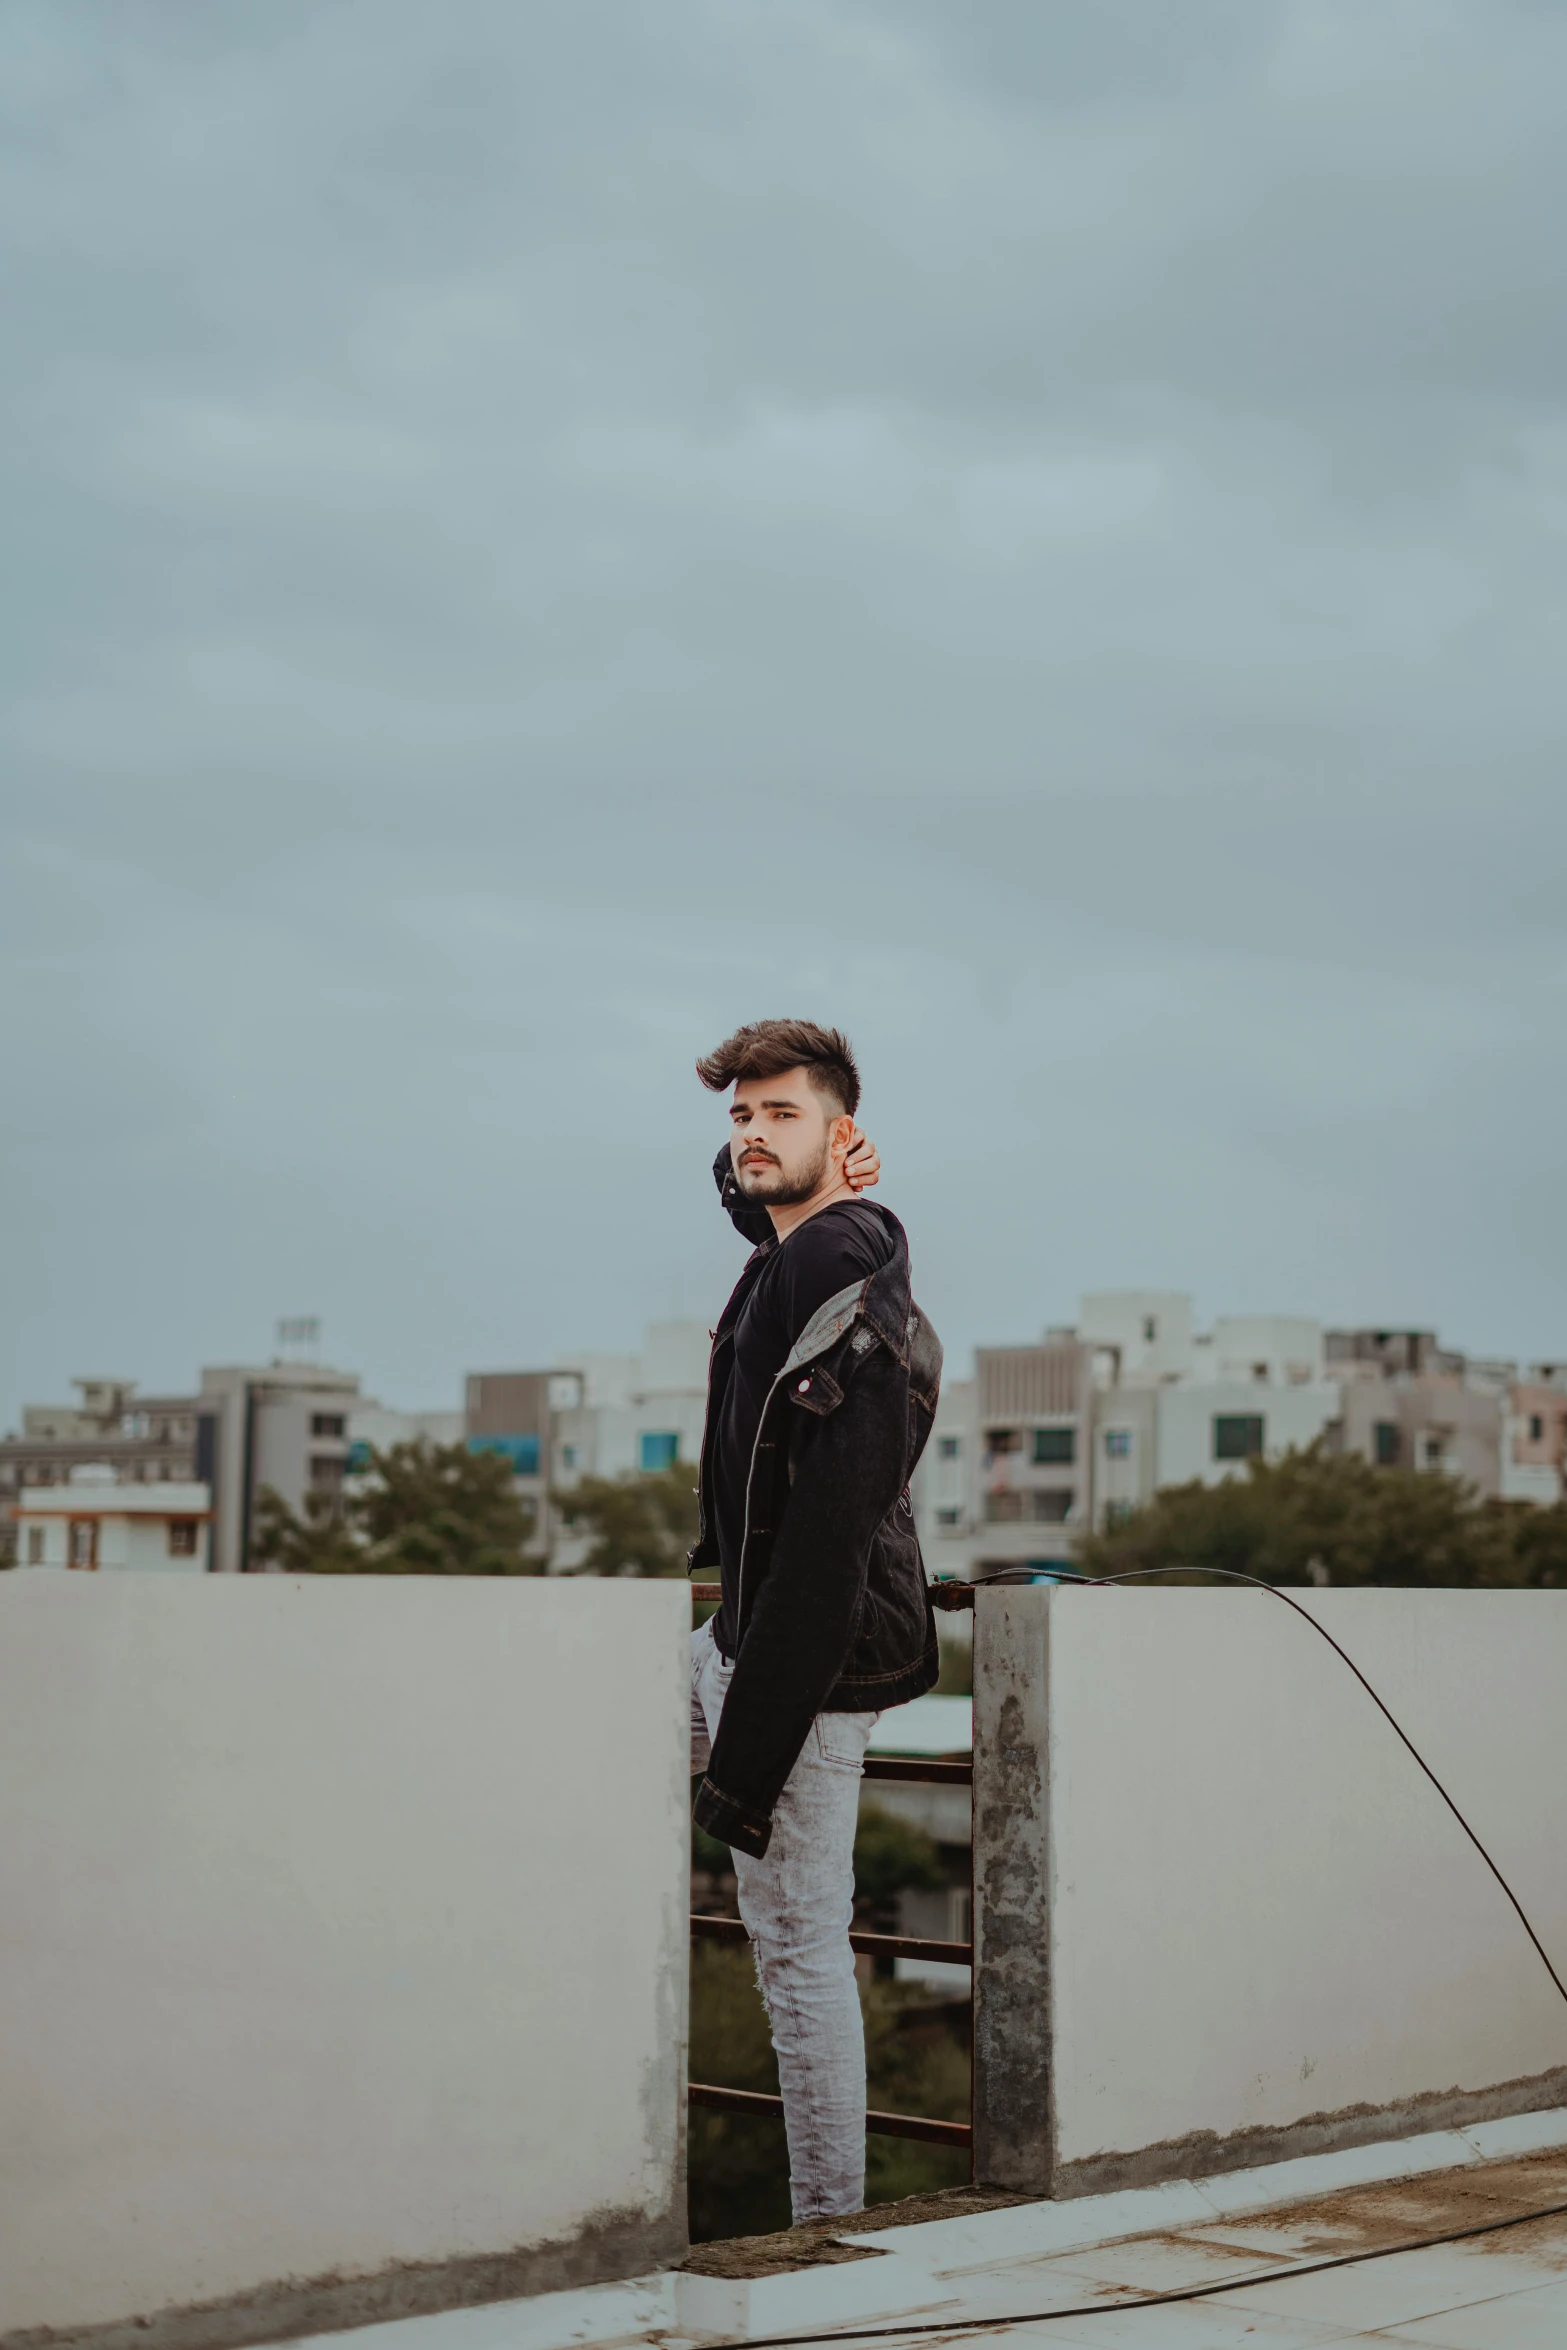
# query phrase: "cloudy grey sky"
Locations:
[[536, 533]]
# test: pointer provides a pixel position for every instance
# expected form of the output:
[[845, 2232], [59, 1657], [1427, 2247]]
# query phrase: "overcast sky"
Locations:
[[533, 534]]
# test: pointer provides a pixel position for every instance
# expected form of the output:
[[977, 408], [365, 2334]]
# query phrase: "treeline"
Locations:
[[439, 1509], [1310, 1517], [1322, 1517]]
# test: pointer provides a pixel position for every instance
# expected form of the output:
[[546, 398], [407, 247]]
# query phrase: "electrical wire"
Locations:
[[930, 2327], [1229, 1575]]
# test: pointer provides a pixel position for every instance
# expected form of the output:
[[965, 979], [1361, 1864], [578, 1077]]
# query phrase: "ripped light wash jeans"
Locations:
[[796, 1905]]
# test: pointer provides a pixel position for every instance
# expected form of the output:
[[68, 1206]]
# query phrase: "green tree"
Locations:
[[1540, 1546], [423, 1509], [1317, 1516], [640, 1524]]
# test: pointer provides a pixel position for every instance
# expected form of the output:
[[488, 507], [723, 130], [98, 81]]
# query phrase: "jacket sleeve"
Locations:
[[753, 1224], [806, 1613]]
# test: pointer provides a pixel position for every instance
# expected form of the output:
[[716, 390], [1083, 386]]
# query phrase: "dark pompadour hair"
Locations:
[[766, 1048]]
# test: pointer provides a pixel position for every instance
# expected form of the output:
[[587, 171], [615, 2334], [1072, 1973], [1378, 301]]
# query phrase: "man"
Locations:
[[821, 1391]]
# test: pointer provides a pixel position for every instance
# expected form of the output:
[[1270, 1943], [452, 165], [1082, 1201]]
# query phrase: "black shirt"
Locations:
[[829, 1251]]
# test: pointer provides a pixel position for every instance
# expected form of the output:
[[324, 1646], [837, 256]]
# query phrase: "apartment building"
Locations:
[[1534, 1442], [100, 1522], [593, 1415], [1007, 1477], [278, 1425], [1048, 1441], [145, 1439], [1411, 1403]]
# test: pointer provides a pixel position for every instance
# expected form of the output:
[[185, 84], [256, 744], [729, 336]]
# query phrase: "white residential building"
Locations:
[[284, 1425], [1207, 1429], [1050, 1440], [99, 1522], [593, 1415], [633, 1413], [1007, 1477]]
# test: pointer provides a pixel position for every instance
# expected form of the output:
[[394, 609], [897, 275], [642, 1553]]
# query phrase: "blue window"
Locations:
[[1054, 1447], [1237, 1436], [659, 1451], [521, 1451], [1118, 1443]]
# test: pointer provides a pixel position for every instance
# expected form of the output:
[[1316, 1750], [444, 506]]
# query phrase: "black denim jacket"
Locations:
[[826, 1610]]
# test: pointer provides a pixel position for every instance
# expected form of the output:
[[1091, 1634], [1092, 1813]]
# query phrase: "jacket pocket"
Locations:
[[814, 1390]]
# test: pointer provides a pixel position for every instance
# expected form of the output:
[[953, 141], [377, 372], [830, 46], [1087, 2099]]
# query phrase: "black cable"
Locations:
[[1229, 1575], [1033, 2317]]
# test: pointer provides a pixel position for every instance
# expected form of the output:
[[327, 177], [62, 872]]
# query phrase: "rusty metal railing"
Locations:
[[944, 1771]]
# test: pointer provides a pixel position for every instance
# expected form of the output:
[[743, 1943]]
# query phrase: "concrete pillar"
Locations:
[[1014, 2107]]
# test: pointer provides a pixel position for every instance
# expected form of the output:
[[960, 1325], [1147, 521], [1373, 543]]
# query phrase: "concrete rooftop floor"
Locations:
[[1079, 2274]]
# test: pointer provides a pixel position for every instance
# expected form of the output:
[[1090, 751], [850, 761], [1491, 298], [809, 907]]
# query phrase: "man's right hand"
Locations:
[[862, 1163]]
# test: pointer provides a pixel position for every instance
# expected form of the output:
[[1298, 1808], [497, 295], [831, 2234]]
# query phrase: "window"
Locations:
[[1433, 1452], [521, 1451], [1003, 1440], [35, 1546], [1237, 1436], [1117, 1513], [182, 1538], [948, 1447], [84, 1542], [568, 1456], [1259, 1372], [1150, 1328], [1385, 1438], [949, 1517], [326, 1473], [1054, 1446], [1536, 1427], [658, 1451], [328, 1424], [1004, 1509], [1118, 1444], [1052, 1507]]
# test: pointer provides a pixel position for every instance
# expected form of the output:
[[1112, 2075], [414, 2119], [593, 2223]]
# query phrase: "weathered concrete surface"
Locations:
[[1221, 1917], [600, 2252], [1205, 2154], [343, 1947], [1014, 2119]]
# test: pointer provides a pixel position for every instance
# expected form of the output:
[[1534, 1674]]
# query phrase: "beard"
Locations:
[[771, 1186]]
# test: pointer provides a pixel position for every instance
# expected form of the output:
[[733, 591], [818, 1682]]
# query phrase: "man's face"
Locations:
[[784, 1138]]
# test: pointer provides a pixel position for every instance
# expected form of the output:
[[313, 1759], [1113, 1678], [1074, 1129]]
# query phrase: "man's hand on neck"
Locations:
[[834, 1186]]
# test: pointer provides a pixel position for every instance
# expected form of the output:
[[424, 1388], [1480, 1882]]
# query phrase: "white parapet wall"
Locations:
[[1221, 1916], [344, 1943]]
